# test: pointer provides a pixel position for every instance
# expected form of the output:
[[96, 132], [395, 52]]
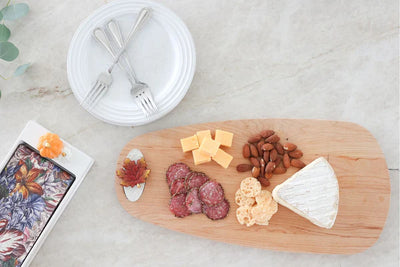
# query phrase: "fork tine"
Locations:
[[144, 103], [148, 103], [90, 93], [153, 104], [139, 103], [96, 96], [101, 93]]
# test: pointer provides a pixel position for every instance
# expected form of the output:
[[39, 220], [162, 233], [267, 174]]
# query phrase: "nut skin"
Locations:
[[267, 147], [270, 167], [286, 160], [262, 167], [264, 181], [296, 154], [259, 147], [254, 139], [244, 167], [272, 139], [279, 170], [267, 133], [246, 151], [289, 147], [268, 175], [297, 163], [253, 151], [278, 161], [266, 156], [273, 154], [279, 148], [255, 162], [255, 172]]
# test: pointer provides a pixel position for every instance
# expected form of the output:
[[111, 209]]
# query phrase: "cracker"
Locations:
[[264, 197], [250, 187], [242, 200], [243, 215]]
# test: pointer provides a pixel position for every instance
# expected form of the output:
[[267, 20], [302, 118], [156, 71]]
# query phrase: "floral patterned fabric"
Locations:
[[31, 187]]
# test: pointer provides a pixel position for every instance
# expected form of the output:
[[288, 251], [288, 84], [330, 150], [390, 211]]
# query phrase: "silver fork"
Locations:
[[140, 90], [105, 78]]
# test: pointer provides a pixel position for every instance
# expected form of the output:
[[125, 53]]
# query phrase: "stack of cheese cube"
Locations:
[[205, 149]]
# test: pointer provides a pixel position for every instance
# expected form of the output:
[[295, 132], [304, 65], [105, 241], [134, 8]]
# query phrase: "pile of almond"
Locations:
[[267, 156]]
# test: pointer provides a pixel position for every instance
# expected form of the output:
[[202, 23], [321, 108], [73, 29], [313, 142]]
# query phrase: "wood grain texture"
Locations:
[[352, 151]]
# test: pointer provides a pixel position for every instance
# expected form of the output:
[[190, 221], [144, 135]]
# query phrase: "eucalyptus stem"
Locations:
[[4, 78]]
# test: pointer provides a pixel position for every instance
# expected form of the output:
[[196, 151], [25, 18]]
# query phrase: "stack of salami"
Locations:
[[193, 192]]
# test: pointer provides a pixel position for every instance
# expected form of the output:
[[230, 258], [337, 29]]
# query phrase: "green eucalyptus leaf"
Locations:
[[21, 69], [8, 51], [4, 33], [1, 15], [15, 11]]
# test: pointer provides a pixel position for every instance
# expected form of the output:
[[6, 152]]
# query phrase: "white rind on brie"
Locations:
[[312, 192], [134, 193]]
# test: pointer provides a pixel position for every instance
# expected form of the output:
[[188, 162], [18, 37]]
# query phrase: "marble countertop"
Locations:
[[255, 59]]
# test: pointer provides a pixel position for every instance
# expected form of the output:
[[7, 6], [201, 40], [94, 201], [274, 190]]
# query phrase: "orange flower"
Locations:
[[132, 174], [25, 181]]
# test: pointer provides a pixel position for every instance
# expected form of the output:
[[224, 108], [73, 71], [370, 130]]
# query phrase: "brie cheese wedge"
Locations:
[[134, 193], [312, 192]]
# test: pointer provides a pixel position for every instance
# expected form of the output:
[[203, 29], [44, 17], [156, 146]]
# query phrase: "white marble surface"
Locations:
[[334, 60]]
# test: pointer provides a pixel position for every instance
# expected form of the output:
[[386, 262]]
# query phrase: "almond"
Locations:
[[286, 161], [270, 167], [279, 148], [246, 151], [254, 139], [255, 162], [268, 175], [289, 146], [253, 151], [296, 154], [266, 156], [243, 167], [255, 172], [267, 147], [278, 161], [264, 181], [273, 154], [297, 163], [259, 147], [279, 170], [262, 167], [272, 139], [267, 133]]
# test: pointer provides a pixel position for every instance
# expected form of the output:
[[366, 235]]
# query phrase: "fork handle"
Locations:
[[143, 15], [118, 39]]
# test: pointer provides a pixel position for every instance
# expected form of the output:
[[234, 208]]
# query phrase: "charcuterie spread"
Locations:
[[258, 182]]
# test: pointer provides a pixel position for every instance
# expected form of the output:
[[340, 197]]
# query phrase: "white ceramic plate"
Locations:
[[162, 54]]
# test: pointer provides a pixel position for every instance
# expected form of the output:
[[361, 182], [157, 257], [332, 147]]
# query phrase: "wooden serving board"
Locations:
[[351, 150]]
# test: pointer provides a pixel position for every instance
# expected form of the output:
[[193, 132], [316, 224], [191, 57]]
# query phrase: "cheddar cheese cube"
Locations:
[[222, 158], [225, 138], [203, 134], [200, 157], [189, 143], [209, 147]]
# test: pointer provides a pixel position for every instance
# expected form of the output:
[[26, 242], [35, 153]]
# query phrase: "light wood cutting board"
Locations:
[[352, 151]]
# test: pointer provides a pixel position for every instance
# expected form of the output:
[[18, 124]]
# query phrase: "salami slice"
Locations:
[[178, 186], [218, 211], [178, 207], [196, 179], [211, 193], [193, 202], [175, 171]]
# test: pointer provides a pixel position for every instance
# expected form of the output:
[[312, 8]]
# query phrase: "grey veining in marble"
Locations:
[[335, 60]]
